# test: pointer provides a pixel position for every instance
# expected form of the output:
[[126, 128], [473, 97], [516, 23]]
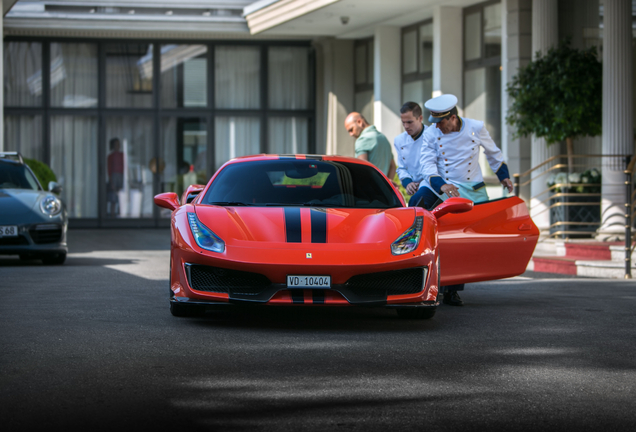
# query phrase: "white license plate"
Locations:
[[294, 281], [8, 231]]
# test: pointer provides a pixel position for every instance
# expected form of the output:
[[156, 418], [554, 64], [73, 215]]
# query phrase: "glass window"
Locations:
[[129, 167], [418, 92], [236, 136], [492, 30], [73, 75], [183, 160], [361, 60], [129, 75], [320, 183], [409, 52], [472, 36], [482, 102], [364, 104], [184, 75], [22, 74], [24, 134], [74, 162], [237, 77], [370, 64], [288, 78], [16, 176], [288, 135], [426, 48]]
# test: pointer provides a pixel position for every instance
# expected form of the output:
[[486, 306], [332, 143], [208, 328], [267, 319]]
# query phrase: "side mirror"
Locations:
[[55, 188], [191, 193], [452, 205], [168, 200]]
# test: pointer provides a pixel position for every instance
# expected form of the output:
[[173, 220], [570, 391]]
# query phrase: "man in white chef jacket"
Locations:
[[450, 161], [408, 146]]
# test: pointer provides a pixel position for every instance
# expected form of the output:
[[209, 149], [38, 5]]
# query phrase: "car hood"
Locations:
[[20, 201], [236, 225]]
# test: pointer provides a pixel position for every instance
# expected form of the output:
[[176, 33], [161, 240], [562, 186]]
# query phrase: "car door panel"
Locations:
[[494, 240]]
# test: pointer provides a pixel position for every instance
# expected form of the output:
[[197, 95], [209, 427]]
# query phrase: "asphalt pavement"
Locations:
[[91, 345]]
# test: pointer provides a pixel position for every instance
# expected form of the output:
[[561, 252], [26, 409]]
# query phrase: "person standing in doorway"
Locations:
[[371, 145]]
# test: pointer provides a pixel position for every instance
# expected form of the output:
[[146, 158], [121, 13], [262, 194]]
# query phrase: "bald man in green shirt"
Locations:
[[371, 144]]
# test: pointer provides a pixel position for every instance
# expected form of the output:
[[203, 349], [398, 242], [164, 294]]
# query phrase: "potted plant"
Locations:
[[558, 97]]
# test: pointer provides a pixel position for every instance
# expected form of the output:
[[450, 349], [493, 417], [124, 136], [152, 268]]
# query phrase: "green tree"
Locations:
[[558, 96], [42, 171]]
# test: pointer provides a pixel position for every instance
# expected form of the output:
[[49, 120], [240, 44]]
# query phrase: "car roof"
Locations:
[[14, 157], [264, 156]]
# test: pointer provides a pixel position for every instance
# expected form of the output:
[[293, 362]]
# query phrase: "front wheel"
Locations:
[[416, 312], [186, 310]]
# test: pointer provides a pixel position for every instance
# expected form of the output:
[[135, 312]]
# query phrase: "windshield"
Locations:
[[16, 176], [296, 182]]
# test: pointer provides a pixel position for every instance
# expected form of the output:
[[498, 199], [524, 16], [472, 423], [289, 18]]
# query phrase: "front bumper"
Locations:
[[36, 239]]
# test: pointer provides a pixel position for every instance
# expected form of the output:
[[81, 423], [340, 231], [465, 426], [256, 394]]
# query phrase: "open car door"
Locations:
[[494, 240]]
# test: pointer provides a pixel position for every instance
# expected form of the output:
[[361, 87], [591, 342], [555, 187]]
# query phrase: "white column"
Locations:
[[516, 54], [2, 86], [386, 81], [618, 133], [447, 52], [545, 35]]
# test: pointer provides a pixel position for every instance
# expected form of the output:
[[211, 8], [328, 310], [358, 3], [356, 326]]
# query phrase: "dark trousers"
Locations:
[[450, 288], [425, 198]]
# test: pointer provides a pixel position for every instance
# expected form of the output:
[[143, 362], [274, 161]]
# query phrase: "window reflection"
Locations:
[[472, 36], [237, 77], [236, 136], [492, 30], [184, 76], [22, 74], [288, 78], [288, 135], [129, 75], [24, 134], [129, 167], [73, 75], [73, 160], [183, 160]]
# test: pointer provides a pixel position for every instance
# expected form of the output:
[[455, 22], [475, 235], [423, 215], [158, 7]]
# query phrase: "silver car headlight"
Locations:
[[410, 240], [50, 205]]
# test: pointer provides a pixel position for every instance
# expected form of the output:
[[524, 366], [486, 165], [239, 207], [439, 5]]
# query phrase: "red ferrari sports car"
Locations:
[[331, 230]]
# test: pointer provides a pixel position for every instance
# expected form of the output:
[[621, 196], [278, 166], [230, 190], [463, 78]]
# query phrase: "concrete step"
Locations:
[[589, 250], [554, 264]]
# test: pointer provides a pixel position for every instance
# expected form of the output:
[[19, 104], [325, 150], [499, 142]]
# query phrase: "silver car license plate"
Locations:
[[8, 231], [298, 281]]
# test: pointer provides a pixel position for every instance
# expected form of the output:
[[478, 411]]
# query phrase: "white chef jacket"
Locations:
[[455, 156], [408, 156]]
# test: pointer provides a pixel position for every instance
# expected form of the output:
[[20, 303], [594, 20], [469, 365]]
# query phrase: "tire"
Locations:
[[416, 313], [54, 259], [186, 310]]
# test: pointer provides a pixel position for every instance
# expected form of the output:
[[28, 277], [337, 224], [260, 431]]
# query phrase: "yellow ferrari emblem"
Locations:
[[309, 255]]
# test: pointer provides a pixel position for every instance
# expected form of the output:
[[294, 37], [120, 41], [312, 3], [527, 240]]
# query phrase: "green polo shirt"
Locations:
[[377, 147]]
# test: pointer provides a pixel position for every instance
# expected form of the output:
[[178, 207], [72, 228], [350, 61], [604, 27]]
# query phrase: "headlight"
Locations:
[[410, 240], [204, 236], [50, 205]]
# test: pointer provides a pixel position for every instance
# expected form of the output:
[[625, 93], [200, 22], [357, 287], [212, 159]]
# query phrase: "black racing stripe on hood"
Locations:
[[293, 228], [318, 225]]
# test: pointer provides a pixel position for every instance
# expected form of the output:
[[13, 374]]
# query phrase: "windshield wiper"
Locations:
[[229, 203]]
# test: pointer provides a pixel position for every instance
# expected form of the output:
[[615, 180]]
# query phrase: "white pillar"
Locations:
[[2, 86], [448, 52], [545, 35], [386, 81], [516, 53], [618, 133]]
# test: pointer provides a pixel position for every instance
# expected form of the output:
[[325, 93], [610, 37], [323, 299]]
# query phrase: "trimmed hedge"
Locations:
[[42, 171]]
